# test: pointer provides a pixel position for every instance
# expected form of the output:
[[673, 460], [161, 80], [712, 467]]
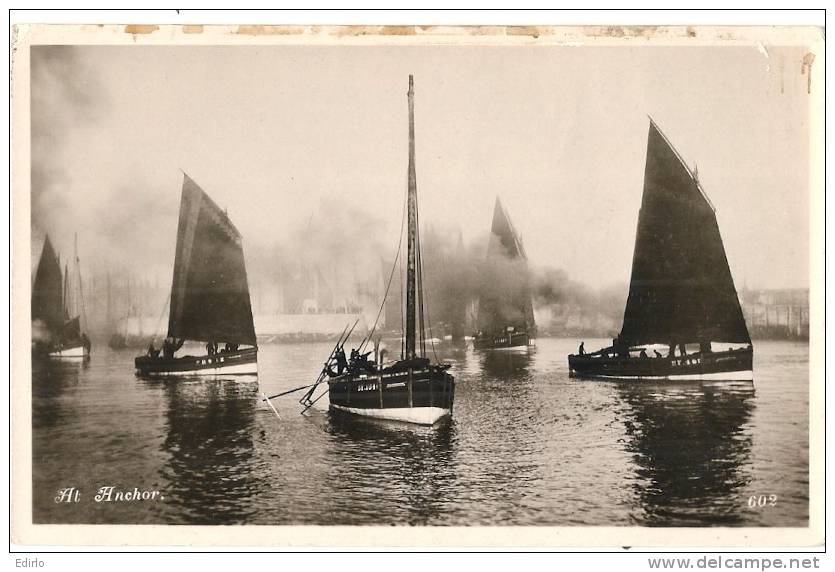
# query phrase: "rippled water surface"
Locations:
[[527, 446]]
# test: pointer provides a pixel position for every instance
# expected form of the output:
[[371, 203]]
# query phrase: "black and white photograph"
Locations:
[[428, 279]]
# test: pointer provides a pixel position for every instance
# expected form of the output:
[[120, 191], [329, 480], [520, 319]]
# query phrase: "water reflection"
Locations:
[[507, 363], [408, 470], [691, 446], [209, 440], [51, 379]]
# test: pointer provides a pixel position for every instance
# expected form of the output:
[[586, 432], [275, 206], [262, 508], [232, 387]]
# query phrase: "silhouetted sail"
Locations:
[[506, 300], [48, 290], [681, 288], [71, 329], [210, 294]]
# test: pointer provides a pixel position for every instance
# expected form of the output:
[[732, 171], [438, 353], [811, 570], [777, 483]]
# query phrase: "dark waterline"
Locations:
[[527, 446]]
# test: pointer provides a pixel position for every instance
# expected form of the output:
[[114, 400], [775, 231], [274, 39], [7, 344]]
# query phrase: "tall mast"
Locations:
[[411, 267], [80, 300], [65, 296]]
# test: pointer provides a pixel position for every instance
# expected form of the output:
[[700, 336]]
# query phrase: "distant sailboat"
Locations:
[[411, 389], [505, 311], [209, 295], [681, 291], [58, 308]]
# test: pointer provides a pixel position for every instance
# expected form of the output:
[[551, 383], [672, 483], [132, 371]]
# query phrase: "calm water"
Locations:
[[527, 446]]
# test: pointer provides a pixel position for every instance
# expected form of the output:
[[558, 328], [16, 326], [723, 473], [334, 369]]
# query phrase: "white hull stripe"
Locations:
[[239, 369], [76, 352], [419, 415], [722, 375]]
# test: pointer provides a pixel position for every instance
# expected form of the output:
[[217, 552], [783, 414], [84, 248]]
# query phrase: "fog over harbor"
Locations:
[[306, 147]]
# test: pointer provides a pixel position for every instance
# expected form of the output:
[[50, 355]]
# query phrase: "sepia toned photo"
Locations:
[[452, 279]]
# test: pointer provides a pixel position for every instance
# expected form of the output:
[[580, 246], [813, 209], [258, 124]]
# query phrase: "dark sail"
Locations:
[[71, 329], [506, 297], [681, 288], [210, 294], [47, 290]]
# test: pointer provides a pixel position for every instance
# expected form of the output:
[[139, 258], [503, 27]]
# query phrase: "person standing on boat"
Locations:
[[170, 345], [582, 350], [341, 362], [85, 342]]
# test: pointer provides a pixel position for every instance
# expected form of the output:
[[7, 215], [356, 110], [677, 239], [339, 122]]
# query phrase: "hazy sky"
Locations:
[[278, 133]]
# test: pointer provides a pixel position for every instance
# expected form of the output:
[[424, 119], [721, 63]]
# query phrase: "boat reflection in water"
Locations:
[[508, 363], [421, 457], [209, 432], [691, 450]]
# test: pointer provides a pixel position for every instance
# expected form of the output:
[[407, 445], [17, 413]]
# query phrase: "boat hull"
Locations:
[[239, 362], [731, 365], [505, 340], [70, 352], [423, 396]]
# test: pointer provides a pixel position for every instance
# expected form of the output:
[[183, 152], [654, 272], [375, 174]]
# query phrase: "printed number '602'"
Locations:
[[759, 501]]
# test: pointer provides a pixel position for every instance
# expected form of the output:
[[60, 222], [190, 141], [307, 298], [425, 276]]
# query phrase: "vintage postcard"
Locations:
[[417, 286]]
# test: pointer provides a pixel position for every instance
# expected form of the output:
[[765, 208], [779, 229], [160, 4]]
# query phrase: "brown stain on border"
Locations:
[[534, 32], [141, 28], [806, 69], [193, 29], [267, 30]]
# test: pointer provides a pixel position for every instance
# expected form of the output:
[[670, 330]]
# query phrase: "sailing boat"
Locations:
[[681, 291], [209, 295], [410, 389], [58, 308], [505, 313]]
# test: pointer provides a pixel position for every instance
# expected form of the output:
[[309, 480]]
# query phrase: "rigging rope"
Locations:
[[391, 275], [159, 320]]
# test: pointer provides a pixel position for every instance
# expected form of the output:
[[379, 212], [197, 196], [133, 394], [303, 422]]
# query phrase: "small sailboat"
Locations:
[[58, 316], [505, 309], [209, 296], [411, 389], [681, 291]]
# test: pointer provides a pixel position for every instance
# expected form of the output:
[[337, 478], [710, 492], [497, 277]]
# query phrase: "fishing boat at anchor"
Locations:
[[505, 309], [58, 313], [210, 300], [411, 389], [681, 291]]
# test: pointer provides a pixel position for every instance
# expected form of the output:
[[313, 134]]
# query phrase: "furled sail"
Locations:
[[47, 290], [210, 294], [505, 299], [681, 288]]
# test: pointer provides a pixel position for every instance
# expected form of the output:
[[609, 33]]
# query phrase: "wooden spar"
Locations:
[[305, 399], [411, 267], [312, 403], [268, 397], [270, 403]]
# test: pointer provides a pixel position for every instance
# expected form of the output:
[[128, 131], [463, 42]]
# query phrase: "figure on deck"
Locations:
[[85, 342], [359, 362], [171, 345], [341, 363], [582, 350]]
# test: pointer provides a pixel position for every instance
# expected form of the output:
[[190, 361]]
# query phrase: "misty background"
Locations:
[[306, 147]]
